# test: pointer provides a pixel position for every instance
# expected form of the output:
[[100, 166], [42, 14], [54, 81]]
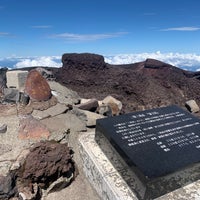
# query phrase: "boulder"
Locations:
[[10, 95], [114, 104], [192, 106], [50, 112], [47, 162], [90, 105], [64, 122], [7, 186], [91, 118], [63, 94], [37, 105], [37, 87]]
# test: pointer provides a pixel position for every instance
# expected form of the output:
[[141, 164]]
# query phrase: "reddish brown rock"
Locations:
[[31, 128], [37, 87], [46, 162], [143, 85]]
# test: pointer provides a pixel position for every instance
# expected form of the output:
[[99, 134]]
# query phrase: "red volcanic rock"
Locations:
[[83, 61], [37, 87], [31, 128], [142, 85], [46, 162]]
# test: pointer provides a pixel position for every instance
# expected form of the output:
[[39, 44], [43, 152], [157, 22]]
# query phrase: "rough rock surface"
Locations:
[[37, 87], [2, 79], [114, 104], [7, 186], [64, 94], [142, 85], [90, 105], [46, 162], [192, 106], [31, 128], [55, 122]]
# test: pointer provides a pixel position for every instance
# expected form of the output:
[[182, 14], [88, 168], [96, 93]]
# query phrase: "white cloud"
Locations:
[[46, 61], [184, 28], [87, 37], [184, 61], [188, 61]]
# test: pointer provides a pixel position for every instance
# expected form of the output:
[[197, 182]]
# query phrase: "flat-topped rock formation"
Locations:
[[139, 86]]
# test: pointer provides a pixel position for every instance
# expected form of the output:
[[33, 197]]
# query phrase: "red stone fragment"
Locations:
[[31, 128], [37, 87]]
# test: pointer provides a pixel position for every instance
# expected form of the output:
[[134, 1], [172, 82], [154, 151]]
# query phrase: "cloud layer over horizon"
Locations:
[[189, 62]]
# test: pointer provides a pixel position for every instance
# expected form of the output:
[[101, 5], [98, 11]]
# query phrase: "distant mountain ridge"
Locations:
[[139, 86]]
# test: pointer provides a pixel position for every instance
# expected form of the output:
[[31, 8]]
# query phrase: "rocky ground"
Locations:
[[40, 127], [39, 153], [138, 86]]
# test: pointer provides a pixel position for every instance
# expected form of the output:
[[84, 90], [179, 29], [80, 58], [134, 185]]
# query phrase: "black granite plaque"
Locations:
[[158, 141]]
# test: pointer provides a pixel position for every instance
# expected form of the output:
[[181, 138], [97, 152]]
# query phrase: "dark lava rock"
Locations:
[[142, 85], [46, 162], [7, 186], [3, 79], [37, 87], [84, 60]]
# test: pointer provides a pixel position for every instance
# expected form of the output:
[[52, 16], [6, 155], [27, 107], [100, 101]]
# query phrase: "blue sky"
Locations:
[[106, 27], [43, 27]]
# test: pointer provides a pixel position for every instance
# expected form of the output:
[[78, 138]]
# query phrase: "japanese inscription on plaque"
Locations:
[[158, 141]]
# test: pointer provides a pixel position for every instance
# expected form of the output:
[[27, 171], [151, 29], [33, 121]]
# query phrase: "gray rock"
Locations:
[[7, 186], [79, 113], [91, 118], [11, 95], [3, 128], [64, 122], [38, 114], [56, 110], [90, 105], [63, 94], [2, 79], [192, 106]]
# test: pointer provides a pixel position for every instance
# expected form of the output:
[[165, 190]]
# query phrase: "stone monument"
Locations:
[[161, 146]]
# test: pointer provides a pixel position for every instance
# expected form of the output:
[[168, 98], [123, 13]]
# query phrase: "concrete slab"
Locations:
[[112, 178], [16, 79], [101, 173]]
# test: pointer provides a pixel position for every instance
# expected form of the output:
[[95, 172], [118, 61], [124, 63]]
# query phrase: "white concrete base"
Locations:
[[109, 183], [16, 79]]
